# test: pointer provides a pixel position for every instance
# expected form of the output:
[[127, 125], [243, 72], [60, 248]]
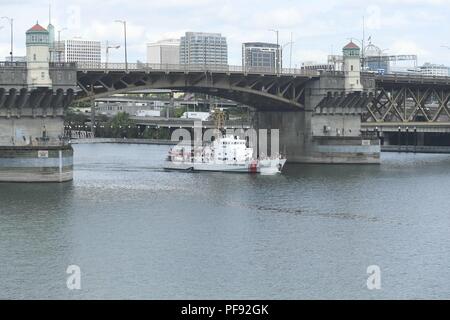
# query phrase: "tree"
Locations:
[[122, 126]]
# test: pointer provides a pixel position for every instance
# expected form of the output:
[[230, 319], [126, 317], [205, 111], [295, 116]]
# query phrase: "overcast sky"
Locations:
[[319, 27]]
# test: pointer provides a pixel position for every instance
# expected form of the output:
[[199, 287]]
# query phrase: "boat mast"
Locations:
[[219, 119]]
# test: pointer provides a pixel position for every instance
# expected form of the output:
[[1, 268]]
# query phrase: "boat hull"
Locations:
[[268, 167]]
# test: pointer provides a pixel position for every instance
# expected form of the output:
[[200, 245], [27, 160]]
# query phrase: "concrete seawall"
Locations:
[[416, 149], [123, 141], [36, 164]]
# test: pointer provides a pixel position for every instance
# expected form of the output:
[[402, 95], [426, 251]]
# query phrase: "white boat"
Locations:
[[227, 154]]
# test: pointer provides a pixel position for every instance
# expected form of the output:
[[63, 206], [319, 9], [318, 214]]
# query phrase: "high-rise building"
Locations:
[[261, 56], [164, 52], [84, 51], [203, 49]]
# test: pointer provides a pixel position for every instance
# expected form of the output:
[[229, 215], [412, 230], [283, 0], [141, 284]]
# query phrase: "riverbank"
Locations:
[[123, 141], [416, 149], [405, 149]]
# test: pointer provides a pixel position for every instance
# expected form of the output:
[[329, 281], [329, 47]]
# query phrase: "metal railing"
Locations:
[[87, 66], [405, 76], [63, 65], [9, 64], [147, 67]]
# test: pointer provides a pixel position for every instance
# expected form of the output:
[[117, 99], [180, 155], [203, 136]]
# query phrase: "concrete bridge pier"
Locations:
[[294, 138], [328, 129], [32, 140], [34, 96]]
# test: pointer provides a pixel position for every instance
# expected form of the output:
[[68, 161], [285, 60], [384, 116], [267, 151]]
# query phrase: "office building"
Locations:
[[83, 51], [261, 56], [203, 49], [164, 52], [434, 70]]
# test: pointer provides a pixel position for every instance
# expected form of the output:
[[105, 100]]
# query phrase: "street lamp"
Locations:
[[11, 22], [60, 49], [107, 51], [290, 53], [125, 36], [282, 52], [278, 48]]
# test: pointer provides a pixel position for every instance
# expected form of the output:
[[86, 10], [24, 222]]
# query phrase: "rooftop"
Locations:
[[37, 28], [351, 45], [260, 44]]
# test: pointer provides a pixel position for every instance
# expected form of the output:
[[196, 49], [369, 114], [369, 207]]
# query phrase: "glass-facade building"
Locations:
[[261, 56], [200, 48]]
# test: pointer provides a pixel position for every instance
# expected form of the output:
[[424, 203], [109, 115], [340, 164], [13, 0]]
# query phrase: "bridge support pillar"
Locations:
[[299, 144], [32, 140], [294, 138], [328, 129], [36, 163], [33, 150]]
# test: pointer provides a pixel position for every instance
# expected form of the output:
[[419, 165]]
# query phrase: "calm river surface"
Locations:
[[138, 232]]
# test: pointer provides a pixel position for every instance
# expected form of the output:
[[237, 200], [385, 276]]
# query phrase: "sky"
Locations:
[[318, 27]]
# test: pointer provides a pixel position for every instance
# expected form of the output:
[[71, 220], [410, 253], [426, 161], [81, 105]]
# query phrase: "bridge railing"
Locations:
[[108, 67], [63, 65], [405, 76], [9, 64]]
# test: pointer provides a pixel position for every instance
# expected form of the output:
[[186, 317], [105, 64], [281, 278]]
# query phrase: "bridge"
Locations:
[[319, 118], [258, 87], [393, 98]]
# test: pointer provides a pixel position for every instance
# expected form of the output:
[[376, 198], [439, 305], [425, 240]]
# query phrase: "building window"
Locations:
[[34, 57], [352, 67]]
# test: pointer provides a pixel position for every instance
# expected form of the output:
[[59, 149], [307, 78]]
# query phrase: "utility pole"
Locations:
[[59, 44], [363, 44], [278, 57], [11, 23], [290, 54], [92, 110], [125, 36], [282, 52]]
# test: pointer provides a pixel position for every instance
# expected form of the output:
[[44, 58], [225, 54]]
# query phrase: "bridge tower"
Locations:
[[352, 68], [38, 57], [34, 96]]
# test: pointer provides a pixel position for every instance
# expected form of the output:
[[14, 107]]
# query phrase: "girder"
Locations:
[[274, 92], [407, 103]]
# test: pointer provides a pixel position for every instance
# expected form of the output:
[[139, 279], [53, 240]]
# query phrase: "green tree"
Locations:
[[122, 126]]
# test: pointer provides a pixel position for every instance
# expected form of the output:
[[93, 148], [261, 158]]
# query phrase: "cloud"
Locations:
[[400, 25]]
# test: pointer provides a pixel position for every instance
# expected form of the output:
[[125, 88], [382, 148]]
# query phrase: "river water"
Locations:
[[138, 232]]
